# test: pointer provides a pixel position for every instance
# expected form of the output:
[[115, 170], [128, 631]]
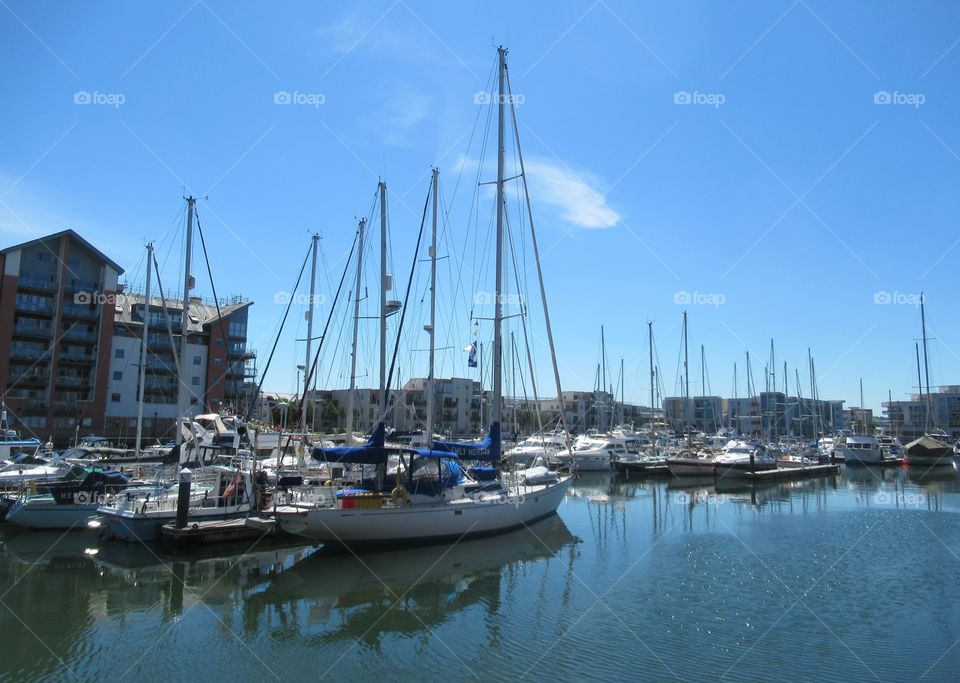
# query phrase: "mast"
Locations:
[[383, 299], [653, 379], [603, 380], [536, 254], [307, 357], [356, 329], [926, 368], [184, 397], [497, 408], [623, 405], [143, 351], [686, 374], [863, 421], [433, 313], [920, 384]]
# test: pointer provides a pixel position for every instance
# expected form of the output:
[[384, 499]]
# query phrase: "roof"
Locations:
[[73, 235], [201, 314]]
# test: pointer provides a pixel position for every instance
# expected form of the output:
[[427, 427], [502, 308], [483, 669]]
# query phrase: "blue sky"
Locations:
[[783, 165]]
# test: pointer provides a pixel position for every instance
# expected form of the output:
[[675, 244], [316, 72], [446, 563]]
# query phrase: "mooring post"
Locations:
[[183, 498]]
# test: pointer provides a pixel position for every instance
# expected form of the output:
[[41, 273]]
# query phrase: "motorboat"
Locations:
[[740, 457], [859, 449]]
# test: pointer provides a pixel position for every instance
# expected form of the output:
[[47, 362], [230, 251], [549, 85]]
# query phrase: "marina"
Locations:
[[665, 582], [473, 341]]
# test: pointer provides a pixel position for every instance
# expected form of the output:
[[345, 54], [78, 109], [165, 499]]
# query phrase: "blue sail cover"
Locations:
[[488, 449], [373, 453]]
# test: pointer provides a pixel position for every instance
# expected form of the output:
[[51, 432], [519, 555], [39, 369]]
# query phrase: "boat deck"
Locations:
[[222, 530], [782, 473]]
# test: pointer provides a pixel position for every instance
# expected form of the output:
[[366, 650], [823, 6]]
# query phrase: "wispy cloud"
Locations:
[[398, 117], [397, 39], [575, 195]]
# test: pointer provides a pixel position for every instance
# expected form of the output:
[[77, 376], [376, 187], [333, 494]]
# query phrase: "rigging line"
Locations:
[[403, 311], [286, 312], [216, 301], [166, 317], [323, 336]]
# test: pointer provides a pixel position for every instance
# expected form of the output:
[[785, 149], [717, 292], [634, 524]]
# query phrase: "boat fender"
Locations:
[[328, 482], [399, 496]]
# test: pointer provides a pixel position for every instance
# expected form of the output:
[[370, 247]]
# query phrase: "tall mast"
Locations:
[[497, 408], [916, 346], [926, 368], [536, 254], [623, 416], [383, 300], [433, 313], [653, 379], [356, 329], [686, 374], [307, 358], [184, 396], [603, 380], [863, 420], [143, 351]]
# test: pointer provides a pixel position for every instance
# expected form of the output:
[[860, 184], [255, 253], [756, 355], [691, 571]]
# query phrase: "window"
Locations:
[[219, 341], [195, 381], [118, 353], [44, 256], [115, 398], [218, 361], [117, 375], [196, 360]]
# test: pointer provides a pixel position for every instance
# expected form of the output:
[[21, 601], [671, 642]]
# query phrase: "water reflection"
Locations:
[[342, 596]]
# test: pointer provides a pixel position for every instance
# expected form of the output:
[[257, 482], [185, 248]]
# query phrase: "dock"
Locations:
[[641, 470], [785, 473], [222, 530]]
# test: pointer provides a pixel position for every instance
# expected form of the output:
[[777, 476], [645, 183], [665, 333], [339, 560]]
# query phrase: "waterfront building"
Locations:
[[70, 346], [908, 419]]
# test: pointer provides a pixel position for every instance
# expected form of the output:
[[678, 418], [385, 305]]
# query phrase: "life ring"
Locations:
[[399, 494]]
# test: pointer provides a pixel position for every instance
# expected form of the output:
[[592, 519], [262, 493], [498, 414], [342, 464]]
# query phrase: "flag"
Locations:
[[472, 358]]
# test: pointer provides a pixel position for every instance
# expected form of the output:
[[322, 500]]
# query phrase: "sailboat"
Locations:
[[931, 449], [449, 507]]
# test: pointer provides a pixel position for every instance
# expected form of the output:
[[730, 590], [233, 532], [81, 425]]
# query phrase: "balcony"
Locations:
[[73, 381], [28, 353], [23, 306], [80, 285], [80, 311], [81, 335], [31, 328], [77, 358], [28, 379], [40, 282]]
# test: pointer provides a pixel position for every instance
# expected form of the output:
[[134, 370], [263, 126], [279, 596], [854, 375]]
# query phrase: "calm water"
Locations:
[[852, 577]]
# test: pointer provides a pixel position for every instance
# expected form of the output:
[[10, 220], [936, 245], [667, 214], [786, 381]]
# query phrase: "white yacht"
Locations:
[[858, 449], [739, 457], [551, 447]]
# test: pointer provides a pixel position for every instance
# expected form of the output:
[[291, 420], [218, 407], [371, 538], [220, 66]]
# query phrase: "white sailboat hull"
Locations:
[[44, 513], [424, 523]]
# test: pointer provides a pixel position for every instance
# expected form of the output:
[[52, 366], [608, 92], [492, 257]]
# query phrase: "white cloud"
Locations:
[[574, 194]]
